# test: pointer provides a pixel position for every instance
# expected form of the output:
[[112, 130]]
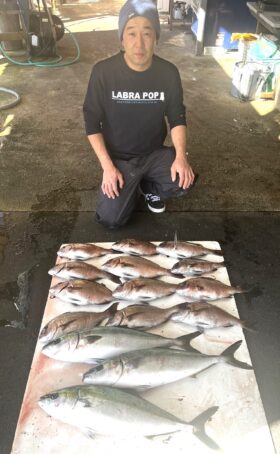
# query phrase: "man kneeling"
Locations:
[[128, 98]]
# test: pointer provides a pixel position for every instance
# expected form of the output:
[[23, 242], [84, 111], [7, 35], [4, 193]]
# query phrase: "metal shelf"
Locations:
[[266, 19]]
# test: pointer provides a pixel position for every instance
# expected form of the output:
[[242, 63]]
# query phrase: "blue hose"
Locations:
[[46, 64]]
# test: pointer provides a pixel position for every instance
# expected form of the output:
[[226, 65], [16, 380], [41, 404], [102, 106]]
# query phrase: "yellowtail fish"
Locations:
[[96, 344], [145, 369], [115, 412]]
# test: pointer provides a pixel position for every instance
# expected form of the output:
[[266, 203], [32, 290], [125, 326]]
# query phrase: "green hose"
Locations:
[[46, 64]]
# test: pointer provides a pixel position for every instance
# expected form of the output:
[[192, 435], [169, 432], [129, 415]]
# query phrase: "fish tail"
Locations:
[[184, 341], [198, 424], [112, 309], [246, 325], [114, 278], [43, 332], [228, 355], [239, 289], [176, 275], [215, 252], [111, 314]]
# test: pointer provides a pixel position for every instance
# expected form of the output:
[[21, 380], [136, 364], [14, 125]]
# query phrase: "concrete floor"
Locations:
[[48, 169]]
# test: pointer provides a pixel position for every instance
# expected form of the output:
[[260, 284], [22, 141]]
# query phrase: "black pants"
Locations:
[[152, 171]]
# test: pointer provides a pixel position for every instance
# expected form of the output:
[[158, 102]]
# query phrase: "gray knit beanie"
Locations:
[[132, 8]]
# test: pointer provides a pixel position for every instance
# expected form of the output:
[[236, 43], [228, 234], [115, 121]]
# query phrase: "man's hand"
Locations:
[[185, 172], [112, 181]]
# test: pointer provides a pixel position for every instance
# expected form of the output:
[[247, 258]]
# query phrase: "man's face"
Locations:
[[139, 39]]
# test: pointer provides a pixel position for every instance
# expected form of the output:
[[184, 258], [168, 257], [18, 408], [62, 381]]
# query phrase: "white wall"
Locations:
[[163, 5]]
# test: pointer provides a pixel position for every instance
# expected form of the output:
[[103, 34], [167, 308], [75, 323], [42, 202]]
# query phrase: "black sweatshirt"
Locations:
[[129, 107]]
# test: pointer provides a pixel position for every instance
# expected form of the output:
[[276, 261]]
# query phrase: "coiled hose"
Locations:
[[41, 64], [50, 63]]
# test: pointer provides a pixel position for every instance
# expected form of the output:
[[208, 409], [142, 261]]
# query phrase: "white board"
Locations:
[[239, 425]]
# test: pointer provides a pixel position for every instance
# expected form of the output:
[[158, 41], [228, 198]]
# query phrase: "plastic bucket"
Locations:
[[248, 79]]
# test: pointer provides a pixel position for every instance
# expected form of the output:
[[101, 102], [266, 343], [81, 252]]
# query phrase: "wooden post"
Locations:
[[201, 17]]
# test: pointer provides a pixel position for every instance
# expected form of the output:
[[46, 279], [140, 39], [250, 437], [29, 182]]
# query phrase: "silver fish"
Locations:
[[206, 288], [96, 344], [144, 289], [203, 315], [140, 316], [135, 247], [195, 267], [81, 292], [73, 321], [146, 369], [80, 270], [184, 249], [133, 267], [114, 412], [81, 251]]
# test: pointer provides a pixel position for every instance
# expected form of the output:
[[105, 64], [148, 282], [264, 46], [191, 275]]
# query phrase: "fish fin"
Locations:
[[197, 374], [215, 252], [142, 389], [114, 278], [246, 325], [200, 305], [238, 289], [72, 276], [175, 239], [85, 402], [91, 339], [113, 251], [76, 301], [129, 318], [43, 332], [59, 268], [66, 324], [196, 273], [88, 432], [112, 309], [228, 355], [62, 287], [112, 318], [186, 339], [166, 437], [198, 424], [177, 275]]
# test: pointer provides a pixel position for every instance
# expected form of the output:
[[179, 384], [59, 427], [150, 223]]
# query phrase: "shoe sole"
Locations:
[[156, 210]]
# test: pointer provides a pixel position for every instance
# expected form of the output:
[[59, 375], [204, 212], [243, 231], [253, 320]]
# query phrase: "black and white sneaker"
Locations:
[[154, 203]]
